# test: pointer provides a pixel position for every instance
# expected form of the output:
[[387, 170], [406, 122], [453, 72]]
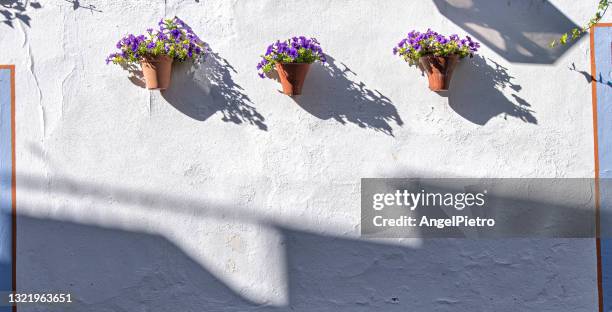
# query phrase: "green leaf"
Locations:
[[602, 7]]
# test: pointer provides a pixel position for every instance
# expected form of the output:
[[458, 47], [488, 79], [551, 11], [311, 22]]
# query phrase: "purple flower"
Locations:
[[417, 45], [180, 22], [111, 58], [294, 50], [171, 34]]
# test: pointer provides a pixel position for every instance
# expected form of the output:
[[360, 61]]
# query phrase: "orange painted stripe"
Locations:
[[599, 275], [596, 148], [595, 130]]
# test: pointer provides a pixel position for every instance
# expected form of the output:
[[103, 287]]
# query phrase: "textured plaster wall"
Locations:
[[224, 195]]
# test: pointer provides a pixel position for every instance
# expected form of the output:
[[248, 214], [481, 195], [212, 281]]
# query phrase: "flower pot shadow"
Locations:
[[206, 89], [476, 93], [136, 77], [330, 92]]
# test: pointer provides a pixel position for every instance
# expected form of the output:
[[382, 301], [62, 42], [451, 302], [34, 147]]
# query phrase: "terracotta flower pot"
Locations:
[[292, 77], [439, 70], [157, 72]]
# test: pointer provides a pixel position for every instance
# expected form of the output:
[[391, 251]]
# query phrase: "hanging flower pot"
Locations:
[[291, 59], [157, 72], [436, 55], [292, 77], [156, 51], [439, 70]]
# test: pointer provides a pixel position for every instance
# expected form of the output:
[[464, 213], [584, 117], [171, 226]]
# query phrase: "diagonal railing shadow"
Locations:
[[108, 269], [121, 270], [519, 31]]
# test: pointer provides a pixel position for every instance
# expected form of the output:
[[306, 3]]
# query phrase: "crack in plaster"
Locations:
[[31, 69], [65, 41], [72, 71]]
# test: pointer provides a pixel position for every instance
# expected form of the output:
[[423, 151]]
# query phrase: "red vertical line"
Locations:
[[597, 184]]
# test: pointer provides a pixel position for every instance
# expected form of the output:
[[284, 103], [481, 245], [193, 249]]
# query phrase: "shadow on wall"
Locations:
[[205, 89], [476, 93], [330, 92], [109, 269], [589, 78], [117, 270], [522, 33], [76, 4], [12, 10], [135, 74]]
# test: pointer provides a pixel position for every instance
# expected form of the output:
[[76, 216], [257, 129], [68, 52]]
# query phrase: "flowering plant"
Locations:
[[295, 50], [602, 8], [417, 45], [174, 39]]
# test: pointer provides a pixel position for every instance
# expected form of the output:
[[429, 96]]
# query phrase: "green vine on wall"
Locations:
[[577, 32]]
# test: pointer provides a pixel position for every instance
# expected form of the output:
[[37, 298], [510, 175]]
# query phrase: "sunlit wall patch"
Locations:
[[7, 182]]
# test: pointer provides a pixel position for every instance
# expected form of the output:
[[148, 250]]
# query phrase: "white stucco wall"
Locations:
[[225, 195]]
